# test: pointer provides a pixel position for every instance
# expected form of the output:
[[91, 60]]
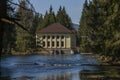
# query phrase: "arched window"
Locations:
[[57, 37], [43, 37], [43, 44], [62, 44], [62, 37], [53, 43], [53, 37], [57, 44], [48, 37], [48, 44]]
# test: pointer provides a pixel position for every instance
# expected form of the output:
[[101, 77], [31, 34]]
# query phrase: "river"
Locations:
[[46, 67]]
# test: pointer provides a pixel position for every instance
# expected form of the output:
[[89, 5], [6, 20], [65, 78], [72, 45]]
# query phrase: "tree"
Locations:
[[45, 20], [7, 29], [49, 18], [63, 18], [52, 18], [24, 40], [104, 27], [59, 16], [38, 22], [3, 13], [84, 30]]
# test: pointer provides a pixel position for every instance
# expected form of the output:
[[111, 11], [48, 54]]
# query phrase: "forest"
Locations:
[[99, 27]]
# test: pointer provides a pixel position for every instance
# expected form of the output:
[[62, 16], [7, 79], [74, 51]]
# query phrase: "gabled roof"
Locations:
[[54, 29]]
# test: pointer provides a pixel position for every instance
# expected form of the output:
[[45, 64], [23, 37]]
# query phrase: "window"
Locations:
[[43, 44], [57, 37], [48, 37], [53, 44], [57, 44], [53, 37], [43, 37], [62, 44], [62, 37], [48, 44], [38, 42]]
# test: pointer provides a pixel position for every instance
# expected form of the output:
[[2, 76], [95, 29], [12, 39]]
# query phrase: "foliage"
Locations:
[[103, 26], [61, 17], [84, 30], [7, 30], [26, 40]]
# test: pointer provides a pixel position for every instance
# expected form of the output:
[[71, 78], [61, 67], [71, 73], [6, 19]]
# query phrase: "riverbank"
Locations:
[[103, 60], [102, 74], [86, 53]]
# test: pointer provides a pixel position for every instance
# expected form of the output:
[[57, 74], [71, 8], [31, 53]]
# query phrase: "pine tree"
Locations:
[[84, 30], [52, 18], [49, 18], [39, 22], [7, 30], [23, 38], [103, 24], [45, 20], [59, 16], [63, 18]]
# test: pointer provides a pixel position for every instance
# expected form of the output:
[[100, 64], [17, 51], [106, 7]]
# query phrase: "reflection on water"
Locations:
[[66, 76], [44, 67]]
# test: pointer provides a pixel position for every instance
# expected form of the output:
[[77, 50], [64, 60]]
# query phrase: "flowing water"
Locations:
[[46, 67]]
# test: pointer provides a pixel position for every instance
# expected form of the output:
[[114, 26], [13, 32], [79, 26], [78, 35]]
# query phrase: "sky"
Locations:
[[73, 7]]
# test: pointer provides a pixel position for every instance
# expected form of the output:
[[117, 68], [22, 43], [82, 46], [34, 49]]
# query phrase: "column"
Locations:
[[65, 41], [55, 42], [60, 41], [36, 40], [50, 41], [46, 40]]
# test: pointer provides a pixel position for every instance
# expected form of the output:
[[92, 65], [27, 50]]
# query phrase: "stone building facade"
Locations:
[[56, 39]]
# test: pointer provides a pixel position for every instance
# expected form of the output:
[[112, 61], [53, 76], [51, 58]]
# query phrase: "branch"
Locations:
[[13, 21], [23, 7]]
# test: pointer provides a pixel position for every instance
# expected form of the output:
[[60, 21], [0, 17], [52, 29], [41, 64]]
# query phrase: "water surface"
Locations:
[[46, 67]]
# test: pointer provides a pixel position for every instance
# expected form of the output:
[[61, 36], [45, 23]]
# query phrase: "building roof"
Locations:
[[55, 28]]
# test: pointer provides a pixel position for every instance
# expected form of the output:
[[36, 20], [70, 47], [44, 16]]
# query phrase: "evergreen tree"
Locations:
[[7, 29], [52, 18], [45, 20], [63, 18], [23, 38], [49, 18], [103, 24], [39, 19], [59, 16], [84, 30]]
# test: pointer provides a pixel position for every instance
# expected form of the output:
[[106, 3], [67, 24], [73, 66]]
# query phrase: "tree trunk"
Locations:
[[3, 14]]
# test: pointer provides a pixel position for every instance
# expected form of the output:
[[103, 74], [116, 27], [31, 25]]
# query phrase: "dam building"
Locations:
[[56, 39]]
